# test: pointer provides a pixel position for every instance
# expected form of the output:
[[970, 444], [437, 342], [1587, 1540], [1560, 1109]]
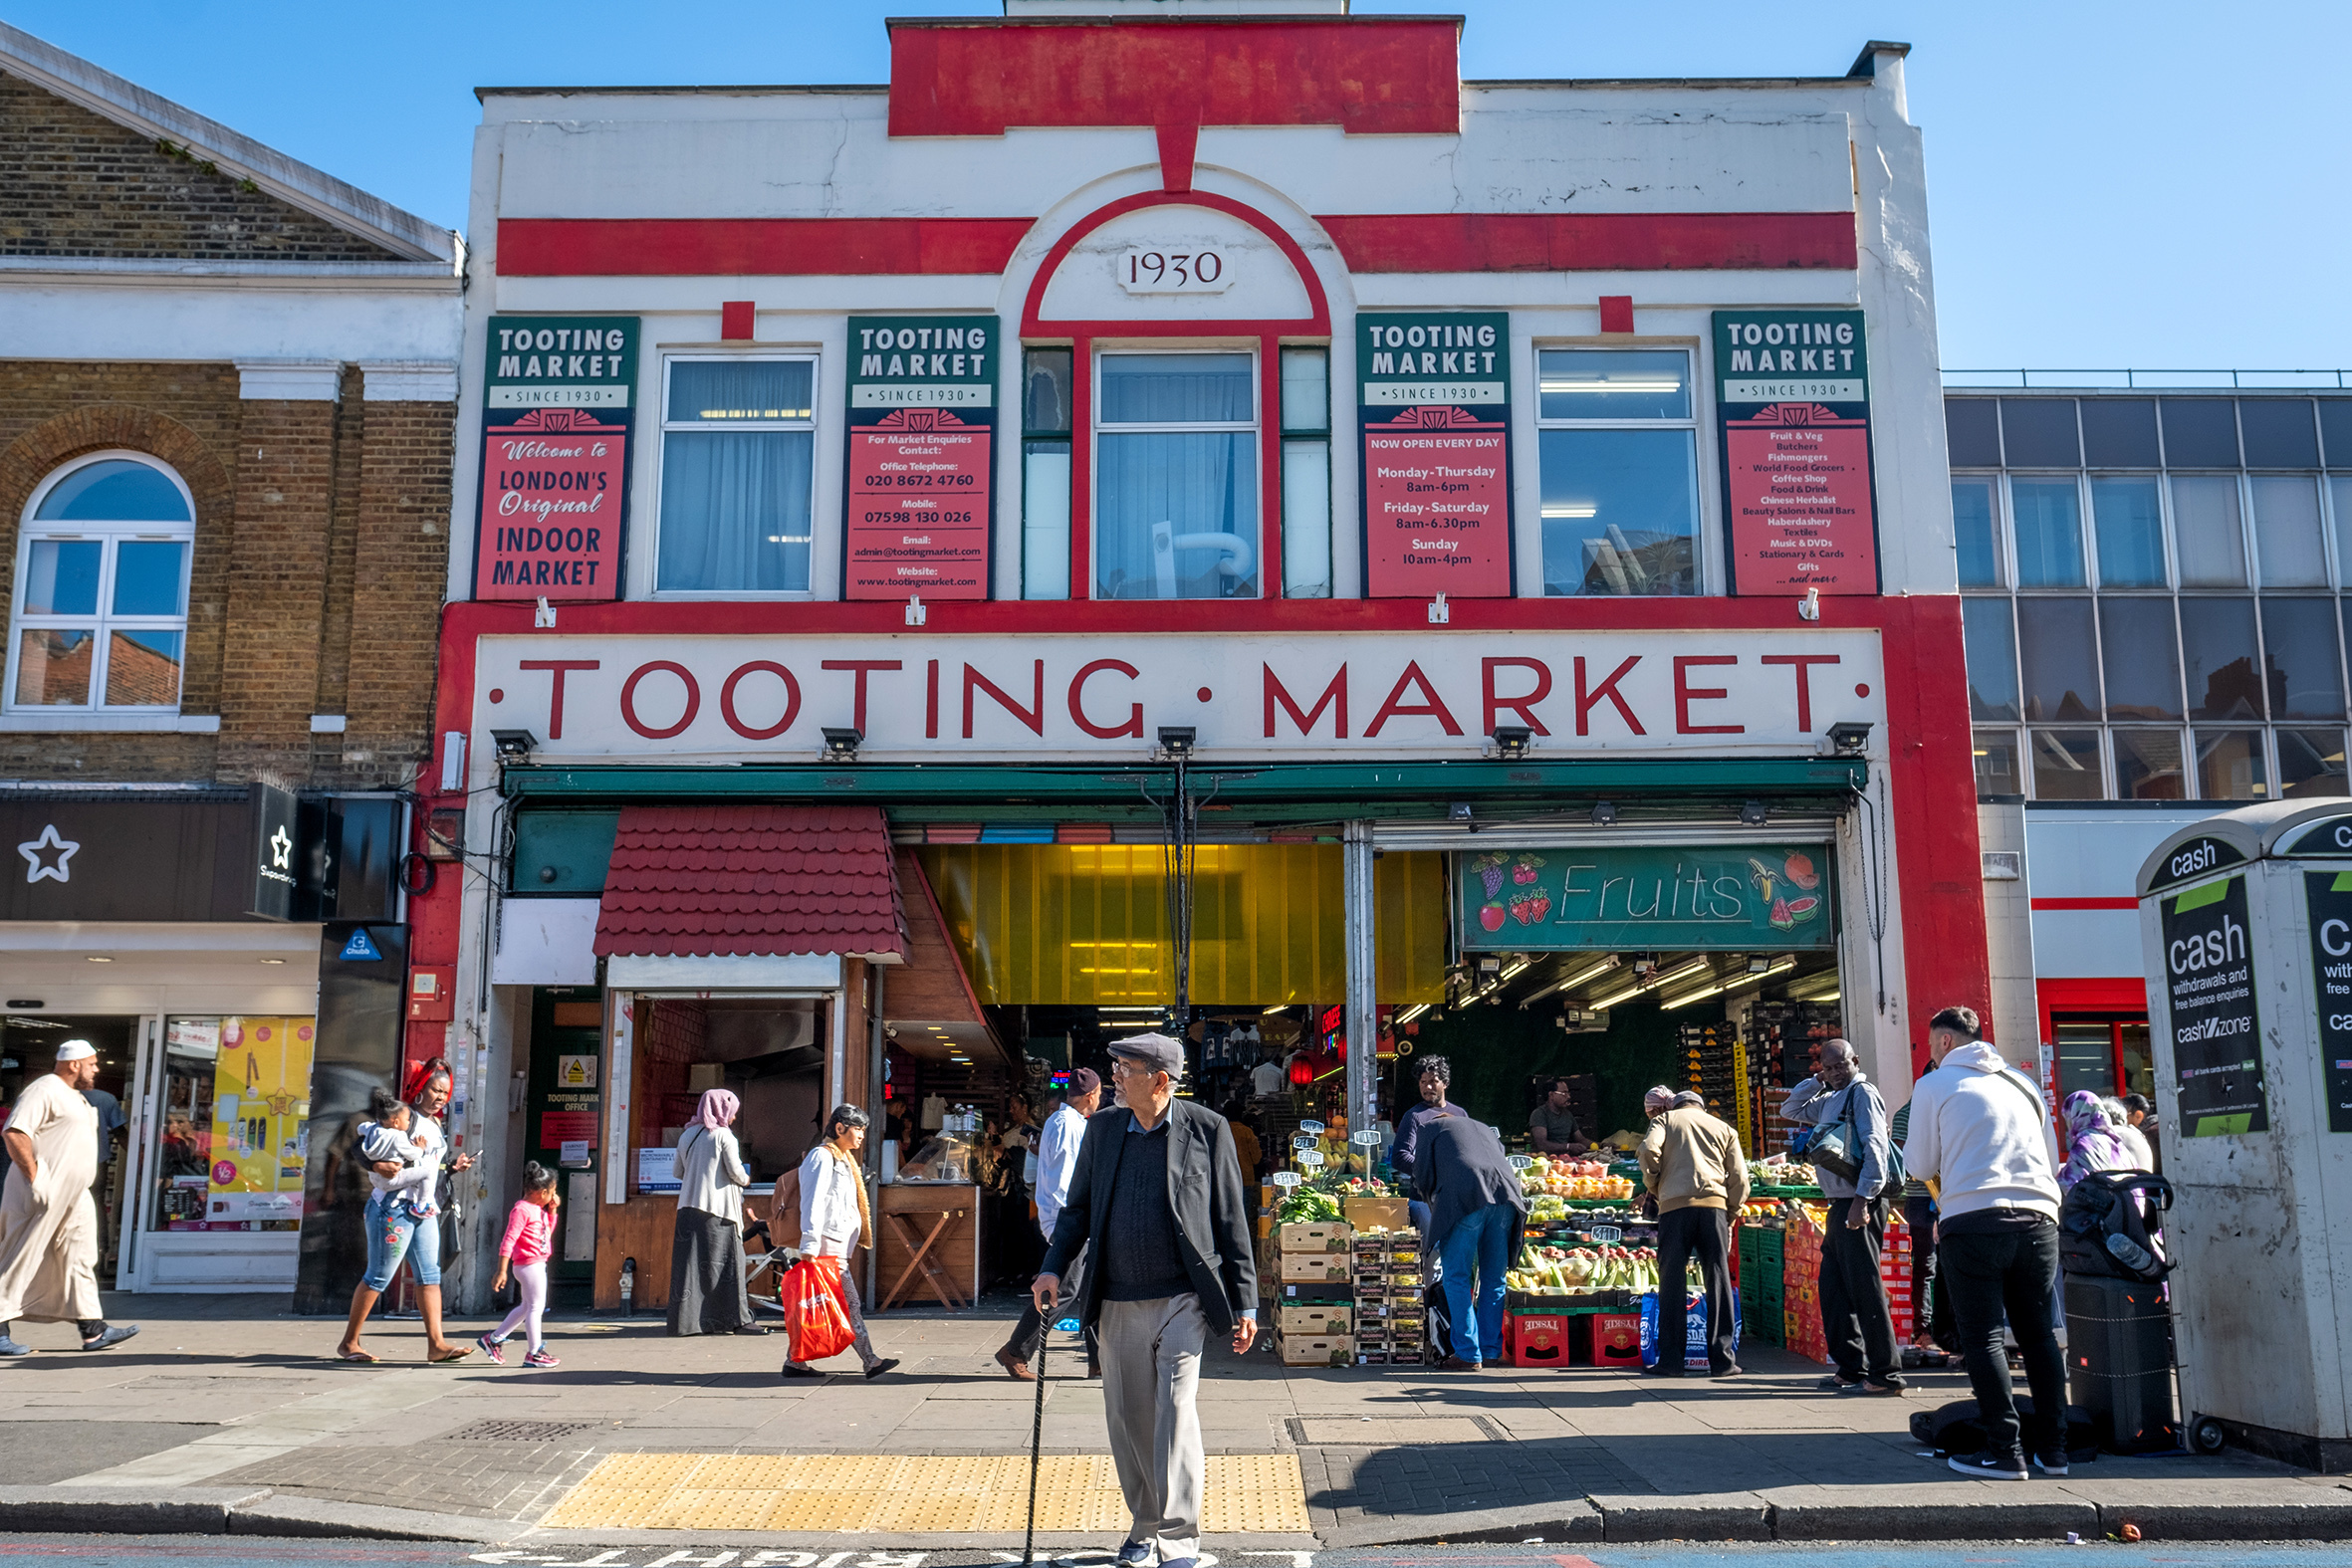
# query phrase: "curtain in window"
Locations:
[[1195, 484], [1176, 389], [735, 510]]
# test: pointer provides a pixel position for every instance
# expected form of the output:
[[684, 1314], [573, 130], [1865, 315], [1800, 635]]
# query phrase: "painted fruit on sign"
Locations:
[[1801, 872], [1781, 917], [1524, 869], [1804, 908], [1490, 916], [1528, 908]]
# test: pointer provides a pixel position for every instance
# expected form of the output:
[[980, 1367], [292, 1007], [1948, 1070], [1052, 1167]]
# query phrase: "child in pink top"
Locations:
[[530, 1239]]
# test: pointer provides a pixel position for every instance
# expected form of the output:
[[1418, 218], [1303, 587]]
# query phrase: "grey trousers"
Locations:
[[1151, 1369]]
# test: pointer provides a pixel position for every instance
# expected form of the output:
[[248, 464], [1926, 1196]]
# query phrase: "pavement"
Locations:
[[226, 1416]]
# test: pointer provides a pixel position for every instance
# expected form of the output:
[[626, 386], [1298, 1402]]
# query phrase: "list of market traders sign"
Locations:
[[2209, 978], [1435, 418], [922, 448], [558, 407], [1793, 393]]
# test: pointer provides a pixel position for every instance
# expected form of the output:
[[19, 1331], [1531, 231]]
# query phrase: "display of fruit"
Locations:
[[1552, 1270], [1581, 1179]]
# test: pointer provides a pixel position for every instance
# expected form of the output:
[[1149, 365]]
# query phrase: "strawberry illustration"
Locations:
[[1539, 907], [1489, 916]]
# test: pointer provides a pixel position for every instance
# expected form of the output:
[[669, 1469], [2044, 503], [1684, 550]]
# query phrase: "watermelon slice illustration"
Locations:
[[1804, 908]]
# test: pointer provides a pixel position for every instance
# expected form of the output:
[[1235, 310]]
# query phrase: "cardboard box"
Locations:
[[1314, 1320], [1336, 1239], [1401, 1280], [1377, 1213], [1318, 1350], [1321, 1267]]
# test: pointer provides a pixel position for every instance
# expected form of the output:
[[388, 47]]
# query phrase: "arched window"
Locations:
[[100, 621]]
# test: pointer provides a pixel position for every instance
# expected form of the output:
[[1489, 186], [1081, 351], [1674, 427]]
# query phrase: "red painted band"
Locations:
[[2086, 903], [1368, 76], [754, 247], [1594, 241]]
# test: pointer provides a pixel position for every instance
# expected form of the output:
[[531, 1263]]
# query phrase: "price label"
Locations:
[[1288, 1178], [1311, 1129], [1368, 1138], [1310, 1158], [1606, 1234], [1520, 1162]]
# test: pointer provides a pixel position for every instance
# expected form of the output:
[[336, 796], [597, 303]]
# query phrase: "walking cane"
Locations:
[[1037, 1437]]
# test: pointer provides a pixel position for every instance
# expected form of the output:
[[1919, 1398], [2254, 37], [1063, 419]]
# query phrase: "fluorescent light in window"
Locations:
[[1571, 509], [1612, 384]]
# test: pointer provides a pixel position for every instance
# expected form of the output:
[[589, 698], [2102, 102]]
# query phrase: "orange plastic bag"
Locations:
[[816, 1316]]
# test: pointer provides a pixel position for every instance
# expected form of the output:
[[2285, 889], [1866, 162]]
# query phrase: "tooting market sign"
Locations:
[[1377, 697]]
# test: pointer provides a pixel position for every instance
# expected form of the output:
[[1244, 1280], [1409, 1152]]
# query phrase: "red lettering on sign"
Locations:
[[1685, 694], [792, 700], [1802, 664], [861, 667], [1033, 715], [1394, 708], [931, 699], [1334, 697], [629, 700], [1523, 706], [1078, 698], [1589, 699], [558, 668]]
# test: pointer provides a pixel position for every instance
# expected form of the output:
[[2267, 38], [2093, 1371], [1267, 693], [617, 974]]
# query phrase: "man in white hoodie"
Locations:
[[1980, 1131]]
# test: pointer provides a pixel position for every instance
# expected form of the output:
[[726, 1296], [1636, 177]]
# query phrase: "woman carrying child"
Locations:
[[403, 1213], [530, 1239]]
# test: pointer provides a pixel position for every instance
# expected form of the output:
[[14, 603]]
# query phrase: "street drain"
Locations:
[[1342, 1432], [520, 1430]]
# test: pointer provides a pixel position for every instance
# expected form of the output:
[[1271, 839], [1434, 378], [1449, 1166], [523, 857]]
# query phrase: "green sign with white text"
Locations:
[[1730, 897]]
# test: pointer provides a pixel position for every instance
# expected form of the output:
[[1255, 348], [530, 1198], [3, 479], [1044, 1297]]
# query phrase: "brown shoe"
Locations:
[[1456, 1364], [1015, 1368]]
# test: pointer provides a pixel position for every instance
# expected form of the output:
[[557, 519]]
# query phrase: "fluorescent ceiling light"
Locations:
[[1591, 972], [1610, 383], [1571, 509], [1410, 1013]]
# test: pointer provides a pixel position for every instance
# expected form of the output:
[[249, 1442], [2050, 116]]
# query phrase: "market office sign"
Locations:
[[1434, 422], [1367, 696], [1792, 396], [1740, 898], [558, 396], [921, 493], [2208, 977]]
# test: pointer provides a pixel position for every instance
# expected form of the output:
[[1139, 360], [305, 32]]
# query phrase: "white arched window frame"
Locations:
[[99, 607]]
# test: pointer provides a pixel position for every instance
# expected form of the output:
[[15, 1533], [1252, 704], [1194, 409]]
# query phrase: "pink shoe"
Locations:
[[492, 1349], [539, 1358]]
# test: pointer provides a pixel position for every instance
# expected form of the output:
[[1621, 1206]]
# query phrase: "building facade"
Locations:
[[227, 382], [1171, 507], [2153, 584]]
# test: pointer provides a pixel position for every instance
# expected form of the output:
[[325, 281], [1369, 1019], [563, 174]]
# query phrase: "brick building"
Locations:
[[227, 382]]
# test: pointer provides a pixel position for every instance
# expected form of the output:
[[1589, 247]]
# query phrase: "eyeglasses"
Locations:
[[1120, 1067]]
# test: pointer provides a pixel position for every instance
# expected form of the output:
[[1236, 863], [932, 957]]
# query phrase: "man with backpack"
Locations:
[[1981, 1132], [1849, 1151]]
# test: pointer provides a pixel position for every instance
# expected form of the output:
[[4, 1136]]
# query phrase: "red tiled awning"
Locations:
[[752, 881]]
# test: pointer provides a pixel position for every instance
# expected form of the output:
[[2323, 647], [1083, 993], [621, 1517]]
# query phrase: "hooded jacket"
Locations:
[[1981, 1132]]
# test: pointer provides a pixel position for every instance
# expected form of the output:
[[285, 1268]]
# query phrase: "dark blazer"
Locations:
[[1462, 1168], [1205, 1189]]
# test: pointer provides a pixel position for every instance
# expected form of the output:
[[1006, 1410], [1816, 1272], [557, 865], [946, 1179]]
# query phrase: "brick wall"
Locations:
[[72, 183], [321, 546]]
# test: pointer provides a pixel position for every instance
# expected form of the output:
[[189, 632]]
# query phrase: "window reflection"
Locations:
[[2230, 765], [2066, 765]]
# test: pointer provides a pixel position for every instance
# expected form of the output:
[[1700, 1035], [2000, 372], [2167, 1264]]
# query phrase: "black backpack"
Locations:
[[1956, 1428], [2114, 1205]]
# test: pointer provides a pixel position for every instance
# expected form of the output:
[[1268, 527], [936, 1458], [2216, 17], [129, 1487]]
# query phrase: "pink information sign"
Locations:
[[919, 483], [1437, 506], [1800, 481]]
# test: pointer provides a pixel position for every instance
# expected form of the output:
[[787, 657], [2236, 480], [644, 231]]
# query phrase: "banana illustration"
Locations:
[[1761, 875]]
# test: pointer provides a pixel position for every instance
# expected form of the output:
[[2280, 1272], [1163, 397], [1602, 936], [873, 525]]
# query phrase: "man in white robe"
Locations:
[[48, 1219]]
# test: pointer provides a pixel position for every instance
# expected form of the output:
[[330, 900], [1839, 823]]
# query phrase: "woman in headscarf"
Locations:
[[2137, 1155], [707, 1294], [2091, 1144]]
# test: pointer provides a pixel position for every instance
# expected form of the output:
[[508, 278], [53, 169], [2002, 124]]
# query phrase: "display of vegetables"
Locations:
[[1552, 1270], [1307, 1205]]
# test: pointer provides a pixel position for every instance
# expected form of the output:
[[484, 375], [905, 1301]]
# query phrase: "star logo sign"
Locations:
[[280, 848], [47, 856]]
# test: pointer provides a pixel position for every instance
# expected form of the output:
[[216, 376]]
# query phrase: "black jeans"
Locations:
[[1855, 1317], [2004, 1277], [1703, 1234], [1029, 1333], [1931, 1299]]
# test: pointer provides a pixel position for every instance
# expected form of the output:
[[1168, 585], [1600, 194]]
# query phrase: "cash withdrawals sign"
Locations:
[[921, 492], [1792, 401], [1434, 417], [2328, 895], [2209, 978], [558, 406]]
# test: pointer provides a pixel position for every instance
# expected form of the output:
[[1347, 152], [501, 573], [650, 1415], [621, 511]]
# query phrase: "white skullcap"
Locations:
[[75, 1050]]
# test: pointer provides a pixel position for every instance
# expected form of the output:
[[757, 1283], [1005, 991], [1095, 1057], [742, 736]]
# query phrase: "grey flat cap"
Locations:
[[1156, 1051]]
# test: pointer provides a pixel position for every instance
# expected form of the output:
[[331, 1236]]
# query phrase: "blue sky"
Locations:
[[2155, 184]]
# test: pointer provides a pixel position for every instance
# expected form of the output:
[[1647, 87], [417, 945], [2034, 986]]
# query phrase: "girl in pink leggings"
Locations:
[[529, 1237]]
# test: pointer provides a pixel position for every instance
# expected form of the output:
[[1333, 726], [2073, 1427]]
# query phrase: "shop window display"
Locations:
[[236, 1105]]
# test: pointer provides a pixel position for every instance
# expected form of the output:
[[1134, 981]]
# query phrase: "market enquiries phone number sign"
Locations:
[[1434, 413], [1792, 394], [558, 406], [922, 448]]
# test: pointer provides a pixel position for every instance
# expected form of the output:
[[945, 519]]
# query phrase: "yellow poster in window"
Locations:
[[261, 1107]]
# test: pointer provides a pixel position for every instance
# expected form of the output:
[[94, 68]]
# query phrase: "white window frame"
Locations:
[[97, 713], [1703, 573], [1254, 427], [665, 425]]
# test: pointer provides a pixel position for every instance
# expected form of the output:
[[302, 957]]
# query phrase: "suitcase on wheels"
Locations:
[[2119, 1362]]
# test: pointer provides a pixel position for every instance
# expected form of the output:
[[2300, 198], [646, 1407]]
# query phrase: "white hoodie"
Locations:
[[1986, 1142]]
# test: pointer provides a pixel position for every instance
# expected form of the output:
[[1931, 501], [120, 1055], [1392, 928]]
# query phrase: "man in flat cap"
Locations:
[[1158, 1202], [48, 1219]]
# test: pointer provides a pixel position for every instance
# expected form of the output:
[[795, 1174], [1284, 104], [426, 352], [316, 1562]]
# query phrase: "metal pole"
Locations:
[[874, 1108], [1363, 1031]]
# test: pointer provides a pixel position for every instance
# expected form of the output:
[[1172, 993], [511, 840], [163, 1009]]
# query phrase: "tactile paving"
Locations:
[[1257, 1493]]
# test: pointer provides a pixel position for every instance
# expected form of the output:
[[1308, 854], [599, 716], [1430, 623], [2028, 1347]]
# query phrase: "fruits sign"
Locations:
[[1725, 897]]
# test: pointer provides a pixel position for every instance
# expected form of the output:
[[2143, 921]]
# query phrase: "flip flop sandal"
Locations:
[[359, 1356], [456, 1353]]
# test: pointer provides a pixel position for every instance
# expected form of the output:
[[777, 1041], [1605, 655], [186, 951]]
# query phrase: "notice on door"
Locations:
[[2329, 895], [2210, 992], [1792, 394], [922, 449], [558, 396], [1434, 414]]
